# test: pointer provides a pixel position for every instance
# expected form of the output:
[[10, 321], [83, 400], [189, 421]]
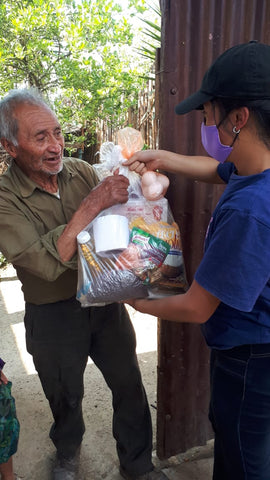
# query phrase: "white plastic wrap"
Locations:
[[112, 156]]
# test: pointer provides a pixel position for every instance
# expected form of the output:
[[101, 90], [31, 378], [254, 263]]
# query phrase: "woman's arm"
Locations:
[[195, 167], [195, 306]]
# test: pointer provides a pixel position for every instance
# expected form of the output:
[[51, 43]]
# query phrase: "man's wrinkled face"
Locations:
[[40, 141]]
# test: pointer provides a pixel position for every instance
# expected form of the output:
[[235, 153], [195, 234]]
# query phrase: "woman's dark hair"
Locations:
[[260, 110]]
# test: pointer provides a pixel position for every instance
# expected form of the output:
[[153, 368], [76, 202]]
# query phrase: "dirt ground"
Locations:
[[35, 457]]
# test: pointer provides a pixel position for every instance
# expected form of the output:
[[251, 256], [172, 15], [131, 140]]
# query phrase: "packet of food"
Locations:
[[99, 279], [144, 254]]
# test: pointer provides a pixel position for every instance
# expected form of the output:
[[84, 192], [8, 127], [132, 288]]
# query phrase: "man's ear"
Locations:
[[9, 147]]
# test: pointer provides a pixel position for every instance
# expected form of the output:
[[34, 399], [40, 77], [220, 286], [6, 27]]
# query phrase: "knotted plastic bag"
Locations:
[[129, 141]]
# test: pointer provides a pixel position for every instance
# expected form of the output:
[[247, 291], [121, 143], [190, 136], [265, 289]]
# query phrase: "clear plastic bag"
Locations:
[[112, 156], [130, 250], [149, 265]]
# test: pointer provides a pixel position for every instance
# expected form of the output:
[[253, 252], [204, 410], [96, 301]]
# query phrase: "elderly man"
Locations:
[[45, 201]]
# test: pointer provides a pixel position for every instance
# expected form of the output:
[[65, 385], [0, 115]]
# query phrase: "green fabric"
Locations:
[[31, 221], [9, 424]]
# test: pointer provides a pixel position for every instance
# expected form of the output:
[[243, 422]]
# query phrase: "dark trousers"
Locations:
[[240, 412], [60, 337]]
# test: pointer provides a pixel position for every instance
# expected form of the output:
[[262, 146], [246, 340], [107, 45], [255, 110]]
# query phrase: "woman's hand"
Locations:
[[195, 306], [194, 167], [144, 160], [136, 303]]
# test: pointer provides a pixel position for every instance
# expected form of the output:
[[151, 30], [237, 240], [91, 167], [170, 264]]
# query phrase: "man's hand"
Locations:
[[109, 192]]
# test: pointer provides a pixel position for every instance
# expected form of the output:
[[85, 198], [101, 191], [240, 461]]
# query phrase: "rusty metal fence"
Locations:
[[194, 33]]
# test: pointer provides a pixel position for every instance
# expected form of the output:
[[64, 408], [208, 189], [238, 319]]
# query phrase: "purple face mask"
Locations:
[[212, 144]]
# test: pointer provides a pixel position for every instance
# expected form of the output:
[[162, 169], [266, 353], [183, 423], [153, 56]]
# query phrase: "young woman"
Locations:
[[230, 294]]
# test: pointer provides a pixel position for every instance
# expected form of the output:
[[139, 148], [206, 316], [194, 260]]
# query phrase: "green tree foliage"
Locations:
[[151, 32], [71, 51]]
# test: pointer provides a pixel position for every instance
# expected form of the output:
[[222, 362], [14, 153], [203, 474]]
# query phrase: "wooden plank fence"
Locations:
[[143, 118]]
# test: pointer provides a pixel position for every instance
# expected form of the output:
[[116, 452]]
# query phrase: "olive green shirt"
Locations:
[[32, 220]]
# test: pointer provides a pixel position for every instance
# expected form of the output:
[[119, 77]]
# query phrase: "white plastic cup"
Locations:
[[111, 234]]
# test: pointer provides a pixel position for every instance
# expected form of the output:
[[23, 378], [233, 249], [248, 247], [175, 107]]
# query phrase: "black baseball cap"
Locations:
[[242, 71]]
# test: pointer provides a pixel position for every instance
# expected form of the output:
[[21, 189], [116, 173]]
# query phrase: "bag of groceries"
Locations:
[[130, 250]]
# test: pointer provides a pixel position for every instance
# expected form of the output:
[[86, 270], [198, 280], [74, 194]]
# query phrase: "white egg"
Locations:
[[163, 180], [148, 178], [154, 185], [155, 189], [152, 192]]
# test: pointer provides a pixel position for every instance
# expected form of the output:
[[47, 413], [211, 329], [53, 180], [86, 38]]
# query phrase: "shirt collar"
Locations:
[[27, 186]]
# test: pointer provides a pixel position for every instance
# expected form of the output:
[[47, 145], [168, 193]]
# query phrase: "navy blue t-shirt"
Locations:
[[236, 263]]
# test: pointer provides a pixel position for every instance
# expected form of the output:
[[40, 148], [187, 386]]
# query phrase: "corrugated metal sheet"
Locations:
[[194, 33]]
